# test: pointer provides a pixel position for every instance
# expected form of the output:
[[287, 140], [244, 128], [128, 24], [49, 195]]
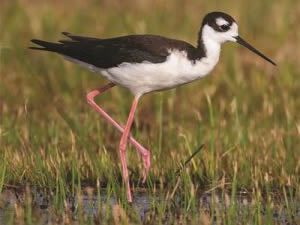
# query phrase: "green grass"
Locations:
[[246, 112]]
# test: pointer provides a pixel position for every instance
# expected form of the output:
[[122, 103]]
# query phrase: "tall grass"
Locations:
[[246, 112]]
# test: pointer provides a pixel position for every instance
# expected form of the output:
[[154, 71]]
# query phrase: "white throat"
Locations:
[[211, 45]]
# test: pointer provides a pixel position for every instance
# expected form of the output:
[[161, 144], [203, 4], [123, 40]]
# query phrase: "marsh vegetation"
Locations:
[[246, 113]]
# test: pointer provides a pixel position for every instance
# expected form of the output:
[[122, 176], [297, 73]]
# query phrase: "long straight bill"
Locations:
[[241, 41]]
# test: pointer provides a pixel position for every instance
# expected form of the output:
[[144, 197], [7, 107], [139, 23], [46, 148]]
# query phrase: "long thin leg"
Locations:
[[123, 144], [143, 151]]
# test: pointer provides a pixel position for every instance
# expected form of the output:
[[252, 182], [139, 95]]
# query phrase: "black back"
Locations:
[[107, 53]]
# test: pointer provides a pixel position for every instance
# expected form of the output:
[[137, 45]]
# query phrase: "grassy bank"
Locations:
[[246, 112]]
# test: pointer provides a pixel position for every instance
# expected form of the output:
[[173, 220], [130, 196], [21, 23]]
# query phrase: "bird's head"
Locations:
[[220, 27]]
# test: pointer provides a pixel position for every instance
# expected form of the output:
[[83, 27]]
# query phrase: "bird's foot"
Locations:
[[147, 165]]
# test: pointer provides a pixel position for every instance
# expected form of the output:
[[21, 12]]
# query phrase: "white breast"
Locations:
[[141, 78]]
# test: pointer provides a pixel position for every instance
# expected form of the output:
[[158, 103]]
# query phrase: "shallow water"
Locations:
[[12, 200]]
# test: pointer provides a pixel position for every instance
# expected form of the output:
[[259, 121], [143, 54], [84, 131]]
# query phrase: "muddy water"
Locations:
[[13, 202]]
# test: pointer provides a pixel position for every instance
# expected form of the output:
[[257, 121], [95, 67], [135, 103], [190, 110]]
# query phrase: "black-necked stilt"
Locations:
[[146, 63]]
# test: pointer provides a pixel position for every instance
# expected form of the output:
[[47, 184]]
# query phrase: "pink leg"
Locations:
[[123, 144], [144, 152]]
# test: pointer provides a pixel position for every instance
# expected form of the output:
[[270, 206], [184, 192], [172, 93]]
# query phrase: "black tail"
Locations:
[[85, 49], [80, 38], [63, 45], [46, 46]]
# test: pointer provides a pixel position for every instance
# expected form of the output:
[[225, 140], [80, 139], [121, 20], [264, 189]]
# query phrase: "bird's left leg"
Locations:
[[123, 145], [145, 154]]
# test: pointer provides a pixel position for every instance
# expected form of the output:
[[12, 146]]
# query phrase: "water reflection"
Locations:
[[12, 200]]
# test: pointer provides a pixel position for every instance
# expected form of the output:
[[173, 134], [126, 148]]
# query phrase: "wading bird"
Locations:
[[147, 63]]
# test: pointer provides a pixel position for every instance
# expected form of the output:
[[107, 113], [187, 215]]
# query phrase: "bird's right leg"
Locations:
[[143, 151]]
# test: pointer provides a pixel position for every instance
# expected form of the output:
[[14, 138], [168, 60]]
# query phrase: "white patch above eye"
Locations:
[[220, 21]]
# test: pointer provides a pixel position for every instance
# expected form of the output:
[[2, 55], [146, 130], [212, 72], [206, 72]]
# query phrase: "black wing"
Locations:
[[107, 53]]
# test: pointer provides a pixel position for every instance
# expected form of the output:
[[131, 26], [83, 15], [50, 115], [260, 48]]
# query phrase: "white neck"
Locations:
[[212, 46]]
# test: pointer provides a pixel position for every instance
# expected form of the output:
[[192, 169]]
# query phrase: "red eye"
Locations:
[[224, 27]]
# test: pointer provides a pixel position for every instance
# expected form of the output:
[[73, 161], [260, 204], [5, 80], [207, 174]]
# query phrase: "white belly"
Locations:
[[141, 78]]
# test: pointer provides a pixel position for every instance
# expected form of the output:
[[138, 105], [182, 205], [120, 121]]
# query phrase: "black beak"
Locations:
[[241, 41]]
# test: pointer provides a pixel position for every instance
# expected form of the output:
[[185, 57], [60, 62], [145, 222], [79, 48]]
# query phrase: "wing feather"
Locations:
[[107, 53]]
